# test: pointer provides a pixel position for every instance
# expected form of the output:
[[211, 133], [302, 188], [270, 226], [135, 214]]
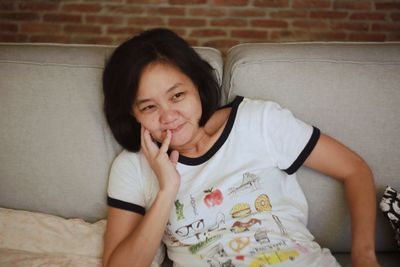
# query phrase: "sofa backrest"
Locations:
[[55, 146], [351, 92]]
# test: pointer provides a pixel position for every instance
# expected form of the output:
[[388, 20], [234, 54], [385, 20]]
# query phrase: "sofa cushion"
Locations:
[[348, 90], [56, 148]]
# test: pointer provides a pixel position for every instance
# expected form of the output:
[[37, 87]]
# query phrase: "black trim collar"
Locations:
[[220, 141]]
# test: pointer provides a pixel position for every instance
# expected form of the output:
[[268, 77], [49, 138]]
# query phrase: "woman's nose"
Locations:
[[167, 116]]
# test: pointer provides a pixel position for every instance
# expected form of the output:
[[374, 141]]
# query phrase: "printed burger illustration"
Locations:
[[240, 210]]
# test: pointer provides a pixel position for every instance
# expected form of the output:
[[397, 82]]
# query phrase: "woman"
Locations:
[[216, 185]]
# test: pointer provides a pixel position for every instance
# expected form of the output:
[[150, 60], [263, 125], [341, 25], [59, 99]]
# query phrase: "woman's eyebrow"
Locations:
[[141, 101]]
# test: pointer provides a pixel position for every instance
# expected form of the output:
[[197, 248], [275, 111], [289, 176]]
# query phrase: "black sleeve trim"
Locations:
[[119, 204], [306, 152]]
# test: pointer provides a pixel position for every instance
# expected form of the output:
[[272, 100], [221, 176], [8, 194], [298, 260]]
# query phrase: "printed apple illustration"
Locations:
[[213, 197]]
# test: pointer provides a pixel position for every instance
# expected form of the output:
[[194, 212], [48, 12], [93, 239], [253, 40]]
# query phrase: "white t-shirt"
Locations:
[[239, 204]]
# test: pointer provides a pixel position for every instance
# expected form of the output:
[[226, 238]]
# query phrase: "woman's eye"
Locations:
[[148, 108], [178, 96]]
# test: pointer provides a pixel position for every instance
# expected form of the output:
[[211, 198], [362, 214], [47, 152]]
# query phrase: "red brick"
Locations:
[[395, 16], [289, 36], [19, 16], [186, 2], [387, 6], [350, 4], [352, 26], [328, 14], [84, 8], [309, 24], [393, 37], [328, 36], [13, 38], [367, 16], [247, 13], [269, 23], [39, 6], [7, 5], [228, 22], [39, 27], [271, 3], [181, 32], [221, 43], [230, 2], [146, 21], [124, 30], [7, 27], [208, 33], [192, 42], [92, 40], [311, 4], [82, 29], [62, 18], [49, 38], [254, 34], [367, 37], [289, 14], [146, 1], [166, 11], [125, 9], [187, 22], [386, 27], [104, 19], [207, 12]]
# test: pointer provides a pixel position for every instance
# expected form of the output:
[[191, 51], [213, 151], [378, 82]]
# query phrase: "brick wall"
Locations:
[[216, 23]]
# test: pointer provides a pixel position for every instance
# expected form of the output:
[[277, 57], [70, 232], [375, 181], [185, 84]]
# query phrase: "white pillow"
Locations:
[[43, 233], [36, 239]]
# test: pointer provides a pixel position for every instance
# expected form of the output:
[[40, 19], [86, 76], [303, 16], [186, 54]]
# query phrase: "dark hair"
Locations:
[[122, 74]]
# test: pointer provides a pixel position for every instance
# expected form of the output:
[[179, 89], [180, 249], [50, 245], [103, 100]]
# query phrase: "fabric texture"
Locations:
[[35, 239], [248, 213], [390, 206]]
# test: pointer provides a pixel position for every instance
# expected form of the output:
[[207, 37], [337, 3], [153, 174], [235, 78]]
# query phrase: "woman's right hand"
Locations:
[[164, 166]]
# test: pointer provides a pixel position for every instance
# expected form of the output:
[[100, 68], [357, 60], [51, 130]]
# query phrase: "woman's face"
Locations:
[[167, 99]]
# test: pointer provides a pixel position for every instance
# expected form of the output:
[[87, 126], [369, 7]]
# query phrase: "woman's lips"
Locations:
[[177, 128]]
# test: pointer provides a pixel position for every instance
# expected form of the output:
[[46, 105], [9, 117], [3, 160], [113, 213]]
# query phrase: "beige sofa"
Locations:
[[56, 149]]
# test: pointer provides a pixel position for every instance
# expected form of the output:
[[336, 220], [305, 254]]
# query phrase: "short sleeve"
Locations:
[[125, 187], [289, 139]]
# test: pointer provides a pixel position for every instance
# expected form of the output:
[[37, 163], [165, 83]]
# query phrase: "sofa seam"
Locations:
[[51, 64]]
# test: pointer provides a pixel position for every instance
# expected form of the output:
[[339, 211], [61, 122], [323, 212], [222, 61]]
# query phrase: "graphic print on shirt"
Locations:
[[193, 229], [268, 259], [250, 182], [169, 236], [280, 225], [219, 223], [194, 206], [216, 256], [213, 197], [179, 210], [238, 243], [262, 203]]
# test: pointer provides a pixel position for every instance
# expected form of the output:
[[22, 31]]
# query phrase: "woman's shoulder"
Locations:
[[128, 159], [218, 120]]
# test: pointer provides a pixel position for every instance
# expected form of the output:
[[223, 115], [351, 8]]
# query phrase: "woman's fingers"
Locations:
[[174, 156], [149, 146], [166, 142]]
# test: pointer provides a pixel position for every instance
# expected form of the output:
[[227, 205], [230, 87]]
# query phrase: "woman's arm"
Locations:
[[132, 239], [336, 160]]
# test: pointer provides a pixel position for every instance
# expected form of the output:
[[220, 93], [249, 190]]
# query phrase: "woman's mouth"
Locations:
[[177, 129]]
